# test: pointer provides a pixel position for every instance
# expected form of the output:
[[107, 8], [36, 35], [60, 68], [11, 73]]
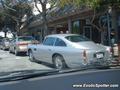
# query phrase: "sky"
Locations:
[[35, 11]]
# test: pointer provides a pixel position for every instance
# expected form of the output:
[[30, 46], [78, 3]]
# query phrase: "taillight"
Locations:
[[111, 50], [85, 56], [20, 44]]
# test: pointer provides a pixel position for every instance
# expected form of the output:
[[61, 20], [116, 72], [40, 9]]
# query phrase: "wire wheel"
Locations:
[[59, 62]]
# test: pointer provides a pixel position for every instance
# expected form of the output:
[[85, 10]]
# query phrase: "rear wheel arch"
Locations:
[[29, 50], [57, 54]]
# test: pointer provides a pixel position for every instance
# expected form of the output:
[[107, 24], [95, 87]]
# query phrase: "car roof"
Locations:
[[23, 36], [61, 35]]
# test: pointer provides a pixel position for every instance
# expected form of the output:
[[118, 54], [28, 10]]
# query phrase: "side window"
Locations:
[[49, 41], [60, 42]]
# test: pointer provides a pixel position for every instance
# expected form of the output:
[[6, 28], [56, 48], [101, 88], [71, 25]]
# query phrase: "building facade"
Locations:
[[78, 20]]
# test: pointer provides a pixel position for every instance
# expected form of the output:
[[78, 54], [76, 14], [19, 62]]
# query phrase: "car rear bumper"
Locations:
[[101, 62], [22, 49], [6, 46], [91, 63]]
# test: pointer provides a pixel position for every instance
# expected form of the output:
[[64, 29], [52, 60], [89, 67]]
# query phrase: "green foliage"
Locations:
[[91, 3], [18, 10], [15, 12]]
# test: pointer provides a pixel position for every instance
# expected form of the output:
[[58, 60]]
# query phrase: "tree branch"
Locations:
[[40, 2], [94, 14], [99, 29], [37, 6]]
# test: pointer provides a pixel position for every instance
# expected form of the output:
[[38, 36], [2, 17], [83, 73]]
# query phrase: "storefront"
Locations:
[[79, 22]]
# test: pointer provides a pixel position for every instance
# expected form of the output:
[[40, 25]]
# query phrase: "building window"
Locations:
[[87, 31], [76, 27]]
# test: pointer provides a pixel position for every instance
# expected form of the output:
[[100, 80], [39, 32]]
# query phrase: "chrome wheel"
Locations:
[[59, 62]]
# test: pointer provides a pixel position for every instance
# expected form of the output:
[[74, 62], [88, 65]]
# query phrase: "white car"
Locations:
[[20, 44], [69, 50]]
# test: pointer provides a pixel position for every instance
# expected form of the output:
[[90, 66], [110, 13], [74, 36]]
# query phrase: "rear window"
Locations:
[[77, 38], [6, 40], [25, 38]]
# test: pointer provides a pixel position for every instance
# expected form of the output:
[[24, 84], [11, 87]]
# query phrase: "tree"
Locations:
[[97, 6], [2, 18], [16, 11], [44, 10]]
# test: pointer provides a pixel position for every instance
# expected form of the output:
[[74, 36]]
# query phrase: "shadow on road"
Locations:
[[46, 64]]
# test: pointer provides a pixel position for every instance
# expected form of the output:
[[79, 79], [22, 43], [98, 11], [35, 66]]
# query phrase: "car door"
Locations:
[[46, 50], [35, 51]]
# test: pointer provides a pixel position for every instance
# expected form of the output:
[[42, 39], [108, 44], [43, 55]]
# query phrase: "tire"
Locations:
[[4, 48], [10, 51], [59, 62], [16, 52], [31, 57]]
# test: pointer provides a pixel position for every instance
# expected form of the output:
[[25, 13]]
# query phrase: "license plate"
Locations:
[[99, 55]]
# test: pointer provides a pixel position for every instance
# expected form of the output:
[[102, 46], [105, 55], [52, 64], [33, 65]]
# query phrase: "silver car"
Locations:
[[5, 43], [69, 50], [20, 44]]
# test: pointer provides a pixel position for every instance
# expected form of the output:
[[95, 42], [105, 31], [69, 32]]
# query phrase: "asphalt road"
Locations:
[[106, 79], [10, 62]]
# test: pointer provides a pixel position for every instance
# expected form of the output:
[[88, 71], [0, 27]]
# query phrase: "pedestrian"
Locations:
[[112, 38], [61, 32], [67, 32]]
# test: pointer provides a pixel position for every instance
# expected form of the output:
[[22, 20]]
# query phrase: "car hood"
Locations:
[[88, 45]]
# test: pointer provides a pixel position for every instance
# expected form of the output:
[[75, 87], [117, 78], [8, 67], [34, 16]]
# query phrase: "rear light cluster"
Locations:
[[85, 57], [111, 50], [35, 42], [20, 44]]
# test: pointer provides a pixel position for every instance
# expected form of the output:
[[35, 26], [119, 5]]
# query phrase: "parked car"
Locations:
[[20, 44], [1, 42], [69, 50], [5, 43]]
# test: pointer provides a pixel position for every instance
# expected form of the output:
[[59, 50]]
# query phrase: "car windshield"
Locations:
[[25, 38], [77, 38]]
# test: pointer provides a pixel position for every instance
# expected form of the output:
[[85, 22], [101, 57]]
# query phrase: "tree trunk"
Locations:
[[45, 26], [18, 28], [5, 34], [114, 22]]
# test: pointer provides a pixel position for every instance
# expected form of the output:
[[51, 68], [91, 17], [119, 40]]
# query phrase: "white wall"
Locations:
[[9, 35]]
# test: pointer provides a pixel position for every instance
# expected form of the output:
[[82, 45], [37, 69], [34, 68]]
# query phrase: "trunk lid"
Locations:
[[89, 45]]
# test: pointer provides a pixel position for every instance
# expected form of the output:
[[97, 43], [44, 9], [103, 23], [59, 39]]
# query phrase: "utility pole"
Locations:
[[109, 29]]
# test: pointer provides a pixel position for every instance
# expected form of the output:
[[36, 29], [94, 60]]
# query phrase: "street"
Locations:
[[10, 62], [89, 79]]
